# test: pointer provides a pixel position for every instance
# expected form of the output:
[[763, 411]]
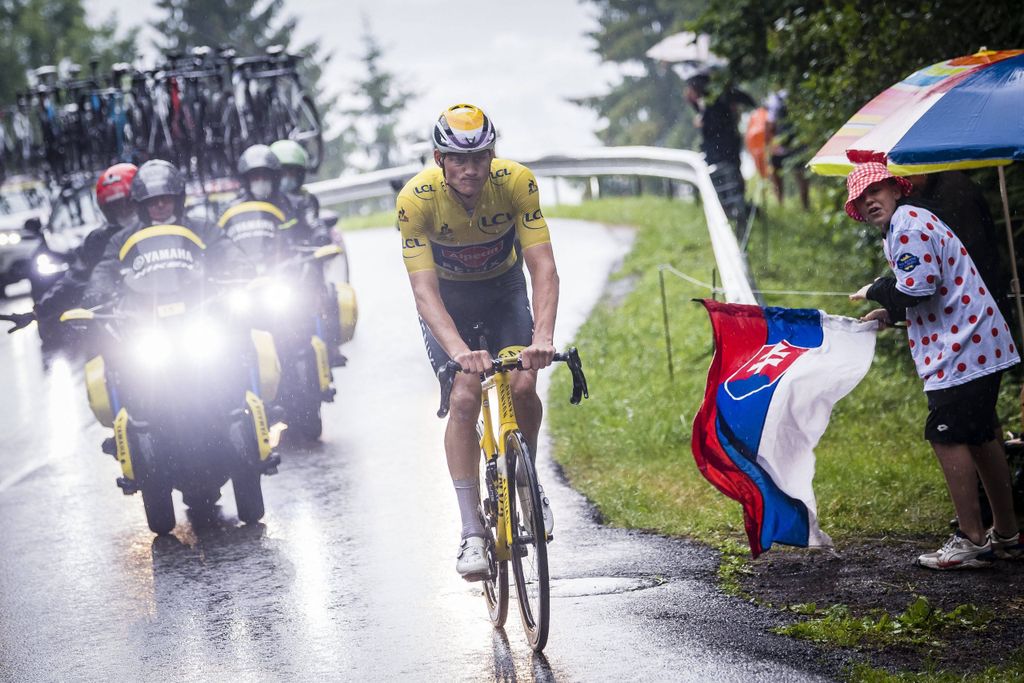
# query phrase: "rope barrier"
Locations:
[[666, 268]]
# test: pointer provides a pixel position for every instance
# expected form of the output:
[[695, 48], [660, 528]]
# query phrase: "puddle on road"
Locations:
[[602, 585]]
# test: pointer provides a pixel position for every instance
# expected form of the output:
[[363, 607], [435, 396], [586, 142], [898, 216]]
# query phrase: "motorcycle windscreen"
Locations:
[[257, 237], [164, 266]]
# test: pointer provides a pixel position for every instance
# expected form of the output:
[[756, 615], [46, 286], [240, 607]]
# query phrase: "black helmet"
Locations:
[[258, 157], [158, 178]]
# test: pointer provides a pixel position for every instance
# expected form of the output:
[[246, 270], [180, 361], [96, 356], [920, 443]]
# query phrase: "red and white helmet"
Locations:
[[114, 185], [463, 129]]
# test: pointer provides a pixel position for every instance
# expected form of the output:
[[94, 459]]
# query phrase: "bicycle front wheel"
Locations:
[[529, 543]]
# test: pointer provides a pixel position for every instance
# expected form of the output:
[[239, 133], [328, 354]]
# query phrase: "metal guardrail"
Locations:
[[681, 165]]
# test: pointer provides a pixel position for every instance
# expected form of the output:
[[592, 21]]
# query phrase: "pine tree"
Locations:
[[373, 126], [644, 109]]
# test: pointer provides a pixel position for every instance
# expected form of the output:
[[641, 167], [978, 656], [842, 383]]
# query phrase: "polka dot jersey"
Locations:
[[958, 333]]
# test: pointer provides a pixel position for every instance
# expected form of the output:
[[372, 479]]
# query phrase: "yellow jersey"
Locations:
[[439, 234]]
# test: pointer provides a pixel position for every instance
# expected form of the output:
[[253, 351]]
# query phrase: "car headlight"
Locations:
[[152, 349], [46, 265]]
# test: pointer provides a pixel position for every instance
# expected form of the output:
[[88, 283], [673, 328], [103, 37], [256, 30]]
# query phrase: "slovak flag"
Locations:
[[774, 377]]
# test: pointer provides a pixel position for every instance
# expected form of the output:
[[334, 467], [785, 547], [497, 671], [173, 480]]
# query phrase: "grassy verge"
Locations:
[[379, 219], [628, 450]]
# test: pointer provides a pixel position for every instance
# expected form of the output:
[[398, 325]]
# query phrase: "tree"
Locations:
[[647, 108], [373, 127], [833, 56], [35, 33]]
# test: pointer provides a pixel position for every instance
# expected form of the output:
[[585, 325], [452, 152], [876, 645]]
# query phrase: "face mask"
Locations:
[[261, 189], [289, 183]]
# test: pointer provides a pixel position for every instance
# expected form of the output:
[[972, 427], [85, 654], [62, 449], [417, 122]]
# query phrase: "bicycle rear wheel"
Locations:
[[529, 546], [495, 587]]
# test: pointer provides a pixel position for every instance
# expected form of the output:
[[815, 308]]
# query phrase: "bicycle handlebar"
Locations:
[[446, 376]]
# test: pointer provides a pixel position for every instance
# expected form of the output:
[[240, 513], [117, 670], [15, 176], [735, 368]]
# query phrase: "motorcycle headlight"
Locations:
[[203, 339], [239, 301], [279, 296], [46, 265], [152, 349], [11, 238]]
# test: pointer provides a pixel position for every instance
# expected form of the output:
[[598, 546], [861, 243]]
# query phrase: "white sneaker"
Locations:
[[472, 559], [958, 553]]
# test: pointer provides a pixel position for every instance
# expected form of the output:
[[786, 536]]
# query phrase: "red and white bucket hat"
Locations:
[[865, 175]]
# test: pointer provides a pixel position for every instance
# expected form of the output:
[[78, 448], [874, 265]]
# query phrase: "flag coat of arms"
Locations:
[[774, 378]]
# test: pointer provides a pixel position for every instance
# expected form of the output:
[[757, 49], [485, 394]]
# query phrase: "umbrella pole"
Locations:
[[1015, 281]]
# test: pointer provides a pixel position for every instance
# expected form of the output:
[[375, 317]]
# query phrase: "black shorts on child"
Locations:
[[965, 413]]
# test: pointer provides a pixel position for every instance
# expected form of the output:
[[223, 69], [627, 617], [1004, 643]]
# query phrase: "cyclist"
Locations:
[[467, 226], [163, 239], [113, 189]]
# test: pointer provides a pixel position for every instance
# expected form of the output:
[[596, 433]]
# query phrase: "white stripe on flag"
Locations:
[[802, 405]]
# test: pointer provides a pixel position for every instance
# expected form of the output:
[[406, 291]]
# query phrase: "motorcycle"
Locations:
[[287, 300], [184, 392]]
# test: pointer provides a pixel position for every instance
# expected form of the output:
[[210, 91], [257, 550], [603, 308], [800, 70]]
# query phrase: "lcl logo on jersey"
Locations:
[[424, 190], [500, 176], [532, 217], [764, 369], [492, 225]]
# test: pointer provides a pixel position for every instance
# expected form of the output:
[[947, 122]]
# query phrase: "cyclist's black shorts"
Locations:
[[965, 413], [501, 304]]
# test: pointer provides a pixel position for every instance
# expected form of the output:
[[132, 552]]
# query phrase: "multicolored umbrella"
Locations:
[[962, 113]]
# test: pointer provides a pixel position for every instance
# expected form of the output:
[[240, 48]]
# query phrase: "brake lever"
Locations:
[[446, 376], [579, 380]]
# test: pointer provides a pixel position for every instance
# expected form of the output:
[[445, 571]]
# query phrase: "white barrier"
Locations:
[[681, 165]]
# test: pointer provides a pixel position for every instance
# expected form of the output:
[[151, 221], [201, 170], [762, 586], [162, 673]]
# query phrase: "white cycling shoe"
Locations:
[[472, 559]]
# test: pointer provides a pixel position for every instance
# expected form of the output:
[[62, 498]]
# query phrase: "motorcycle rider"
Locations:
[[164, 238], [303, 208], [258, 215], [113, 196], [303, 211]]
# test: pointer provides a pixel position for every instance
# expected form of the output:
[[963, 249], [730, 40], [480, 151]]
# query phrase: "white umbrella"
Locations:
[[685, 47]]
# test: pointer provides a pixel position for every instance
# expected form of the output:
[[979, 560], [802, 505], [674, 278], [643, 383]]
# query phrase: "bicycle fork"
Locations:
[[497, 479]]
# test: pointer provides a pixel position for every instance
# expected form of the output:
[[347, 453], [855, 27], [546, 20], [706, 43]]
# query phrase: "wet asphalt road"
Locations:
[[351, 573]]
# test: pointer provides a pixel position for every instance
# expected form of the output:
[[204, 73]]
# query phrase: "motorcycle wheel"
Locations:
[[305, 420], [246, 479], [156, 493], [248, 495]]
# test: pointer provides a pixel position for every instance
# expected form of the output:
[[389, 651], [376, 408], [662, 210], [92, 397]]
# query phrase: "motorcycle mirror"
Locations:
[[76, 314], [34, 225], [329, 218], [327, 251]]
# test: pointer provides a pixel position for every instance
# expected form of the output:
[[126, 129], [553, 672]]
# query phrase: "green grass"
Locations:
[[920, 625], [628, 448], [378, 219]]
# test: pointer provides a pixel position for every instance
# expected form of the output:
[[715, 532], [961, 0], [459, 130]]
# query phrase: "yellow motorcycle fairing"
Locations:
[[267, 363], [124, 454], [348, 310], [323, 365], [96, 390], [259, 421]]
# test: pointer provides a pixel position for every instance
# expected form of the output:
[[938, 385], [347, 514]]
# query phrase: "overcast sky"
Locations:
[[519, 61]]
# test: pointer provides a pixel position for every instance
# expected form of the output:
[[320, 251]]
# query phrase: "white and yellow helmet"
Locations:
[[462, 129]]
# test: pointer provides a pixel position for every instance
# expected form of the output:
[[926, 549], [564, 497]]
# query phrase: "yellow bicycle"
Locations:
[[512, 513]]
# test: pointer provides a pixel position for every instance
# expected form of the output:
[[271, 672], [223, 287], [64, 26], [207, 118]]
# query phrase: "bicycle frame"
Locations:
[[495, 448]]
